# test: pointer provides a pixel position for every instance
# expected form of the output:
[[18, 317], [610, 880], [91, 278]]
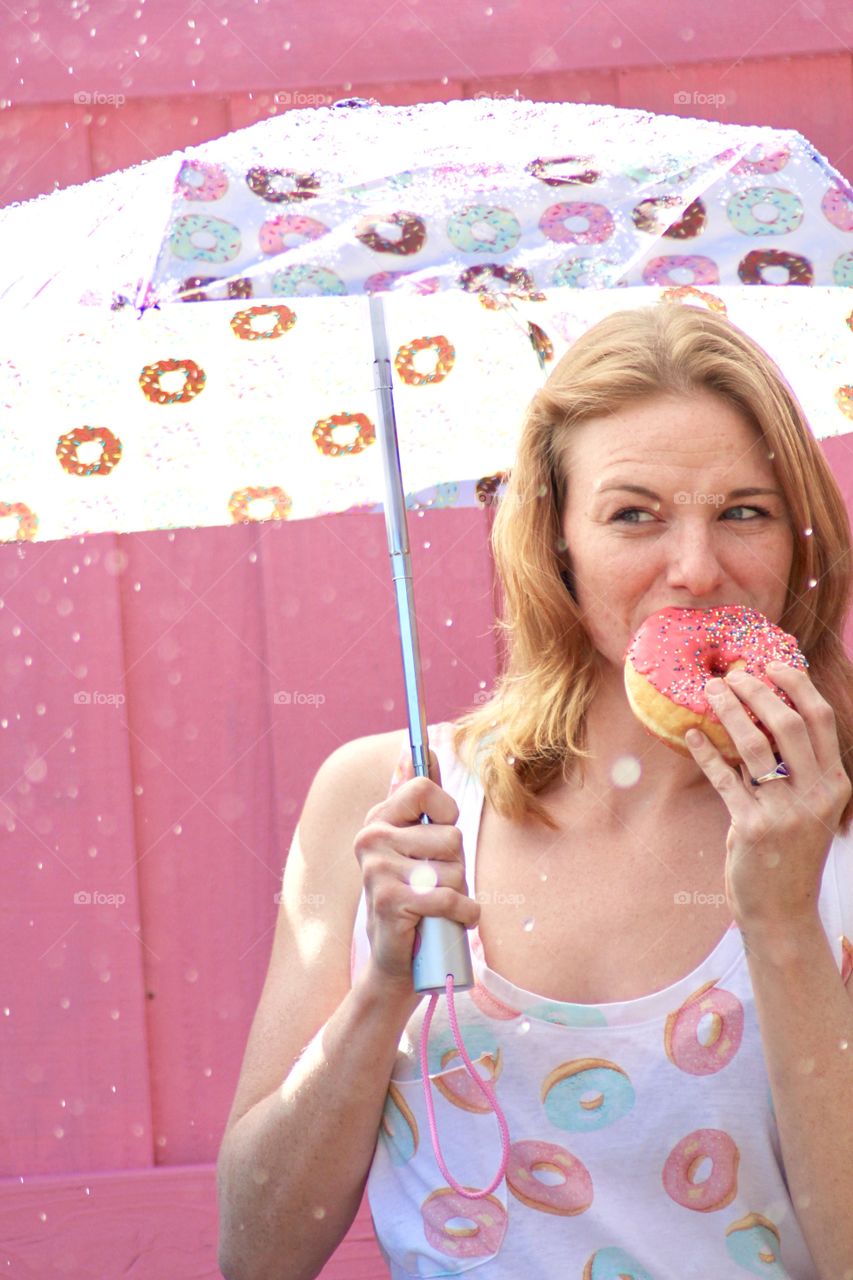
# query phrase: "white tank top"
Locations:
[[644, 1143]]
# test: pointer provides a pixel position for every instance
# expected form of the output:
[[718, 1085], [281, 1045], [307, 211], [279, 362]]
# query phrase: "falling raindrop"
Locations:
[[40, 708], [423, 878], [448, 622], [319, 1212], [191, 975], [523, 1027], [812, 583], [527, 925], [65, 1003], [137, 586], [807, 533], [16, 631], [427, 546], [842, 1044]]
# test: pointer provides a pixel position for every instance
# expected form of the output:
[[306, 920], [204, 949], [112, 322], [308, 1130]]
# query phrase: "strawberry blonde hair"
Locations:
[[533, 725]]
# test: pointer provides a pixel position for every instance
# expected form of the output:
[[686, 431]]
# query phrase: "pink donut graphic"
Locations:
[[273, 231], [837, 208], [720, 1186], [490, 1005], [598, 219], [570, 1195], [659, 270], [481, 1239], [761, 159], [681, 1041], [200, 181]]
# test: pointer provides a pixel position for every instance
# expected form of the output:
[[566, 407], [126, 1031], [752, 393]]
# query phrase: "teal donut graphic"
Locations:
[[398, 1128], [566, 1094], [787, 208], [568, 1015], [200, 238], [753, 1243], [613, 1263]]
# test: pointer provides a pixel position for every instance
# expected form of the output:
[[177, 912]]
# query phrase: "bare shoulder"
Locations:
[[308, 973]]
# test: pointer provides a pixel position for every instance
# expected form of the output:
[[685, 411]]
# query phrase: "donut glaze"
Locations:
[[675, 653]]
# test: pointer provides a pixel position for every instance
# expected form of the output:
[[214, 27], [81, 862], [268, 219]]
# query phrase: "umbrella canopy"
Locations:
[[495, 241]]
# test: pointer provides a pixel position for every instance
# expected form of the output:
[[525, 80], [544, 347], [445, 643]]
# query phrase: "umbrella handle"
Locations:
[[441, 946]]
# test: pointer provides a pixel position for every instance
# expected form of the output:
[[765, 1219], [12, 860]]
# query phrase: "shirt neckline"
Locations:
[[725, 957]]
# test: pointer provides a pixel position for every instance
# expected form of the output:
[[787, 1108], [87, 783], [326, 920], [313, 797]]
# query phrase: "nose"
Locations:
[[693, 563]]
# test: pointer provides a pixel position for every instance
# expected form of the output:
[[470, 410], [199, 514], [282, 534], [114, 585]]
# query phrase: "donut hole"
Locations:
[[461, 1227], [261, 508], [592, 1099], [482, 230], [775, 273], [9, 525], [203, 239], [715, 665], [577, 223], [89, 452], [191, 177], [709, 1029], [171, 382], [389, 231], [765, 212], [700, 1170], [682, 274], [292, 239], [548, 1174]]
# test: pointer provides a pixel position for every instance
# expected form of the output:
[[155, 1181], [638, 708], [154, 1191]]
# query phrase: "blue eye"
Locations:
[[761, 511], [629, 511]]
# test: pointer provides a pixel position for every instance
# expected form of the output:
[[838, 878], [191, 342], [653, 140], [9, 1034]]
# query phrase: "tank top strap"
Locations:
[[836, 902]]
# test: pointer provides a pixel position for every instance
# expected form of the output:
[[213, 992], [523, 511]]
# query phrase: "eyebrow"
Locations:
[[649, 493]]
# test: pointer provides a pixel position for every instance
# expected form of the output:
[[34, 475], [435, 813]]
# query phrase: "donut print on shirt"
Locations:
[[719, 1014]]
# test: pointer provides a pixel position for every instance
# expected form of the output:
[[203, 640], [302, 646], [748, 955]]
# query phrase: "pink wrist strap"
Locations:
[[483, 1085]]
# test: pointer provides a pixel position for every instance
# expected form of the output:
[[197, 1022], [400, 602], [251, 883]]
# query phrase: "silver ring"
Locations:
[[781, 771]]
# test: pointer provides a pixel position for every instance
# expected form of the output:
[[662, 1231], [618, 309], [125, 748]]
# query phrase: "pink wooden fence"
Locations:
[[151, 783]]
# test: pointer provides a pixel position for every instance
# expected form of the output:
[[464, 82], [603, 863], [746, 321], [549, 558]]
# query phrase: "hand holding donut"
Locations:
[[779, 836], [411, 869]]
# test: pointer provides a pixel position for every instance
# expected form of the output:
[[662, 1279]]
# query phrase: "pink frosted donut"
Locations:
[[762, 160], [682, 1163], [837, 208], [197, 180], [481, 1240], [572, 1195], [676, 651], [272, 233], [659, 270], [682, 1044], [597, 217]]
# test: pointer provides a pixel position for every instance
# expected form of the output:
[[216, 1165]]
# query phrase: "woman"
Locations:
[[659, 954]]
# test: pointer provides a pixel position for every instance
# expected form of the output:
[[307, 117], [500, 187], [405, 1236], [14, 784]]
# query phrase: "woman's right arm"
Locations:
[[300, 1138]]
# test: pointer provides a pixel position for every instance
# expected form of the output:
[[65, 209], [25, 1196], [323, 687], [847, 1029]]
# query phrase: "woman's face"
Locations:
[[693, 540]]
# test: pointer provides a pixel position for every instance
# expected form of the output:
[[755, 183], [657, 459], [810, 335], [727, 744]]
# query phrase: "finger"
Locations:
[[752, 743], [414, 797], [722, 777], [439, 842], [787, 727], [815, 711]]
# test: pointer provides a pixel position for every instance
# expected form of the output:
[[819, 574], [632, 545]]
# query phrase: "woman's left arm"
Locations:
[[777, 847]]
